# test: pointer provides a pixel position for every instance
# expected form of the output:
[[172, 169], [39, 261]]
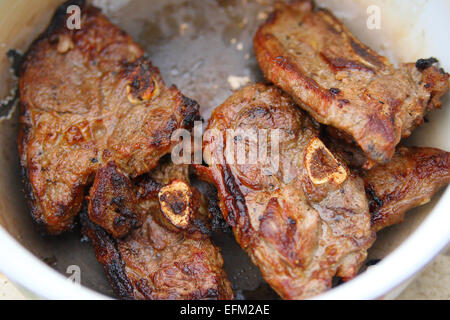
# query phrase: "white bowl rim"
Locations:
[[22, 267]]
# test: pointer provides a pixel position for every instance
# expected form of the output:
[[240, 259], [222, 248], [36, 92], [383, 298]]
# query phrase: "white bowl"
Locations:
[[412, 30]]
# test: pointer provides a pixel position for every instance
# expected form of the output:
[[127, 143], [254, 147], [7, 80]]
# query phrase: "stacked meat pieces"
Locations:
[[341, 178], [170, 256], [314, 217], [97, 122], [96, 112]]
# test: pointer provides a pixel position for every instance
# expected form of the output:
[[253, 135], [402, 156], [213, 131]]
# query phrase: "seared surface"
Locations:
[[301, 224], [154, 261], [412, 177], [88, 97], [343, 147], [112, 203], [312, 56]]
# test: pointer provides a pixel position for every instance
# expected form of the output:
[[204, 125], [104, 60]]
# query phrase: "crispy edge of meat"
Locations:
[[112, 202], [410, 180], [108, 255], [280, 70]]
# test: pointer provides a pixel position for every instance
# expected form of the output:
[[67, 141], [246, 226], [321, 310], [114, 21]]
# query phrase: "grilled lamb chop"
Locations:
[[412, 177], [157, 261], [311, 55], [89, 97], [301, 224]]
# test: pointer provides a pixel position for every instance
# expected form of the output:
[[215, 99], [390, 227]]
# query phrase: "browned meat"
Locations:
[[113, 202], [154, 261], [340, 145], [409, 180], [412, 177], [341, 82], [301, 224], [89, 97]]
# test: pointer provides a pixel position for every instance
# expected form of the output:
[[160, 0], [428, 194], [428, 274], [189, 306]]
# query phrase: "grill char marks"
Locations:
[[108, 255], [112, 202], [236, 208]]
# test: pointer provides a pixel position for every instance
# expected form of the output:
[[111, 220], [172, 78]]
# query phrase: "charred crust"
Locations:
[[143, 79], [163, 136], [238, 200], [235, 204], [190, 112], [375, 203], [218, 223], [112, 203], [35, 211], [334, 91], [147, 187], [144, 288], [336, 281], [109, 256], [212, 293], [423, 64], [117, 277], [202, 226], [365, 53]]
